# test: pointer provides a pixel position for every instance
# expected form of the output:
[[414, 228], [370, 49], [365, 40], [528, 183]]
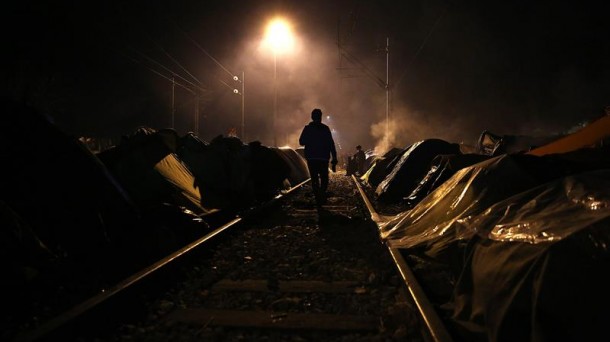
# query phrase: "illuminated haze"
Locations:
[[455, 69]]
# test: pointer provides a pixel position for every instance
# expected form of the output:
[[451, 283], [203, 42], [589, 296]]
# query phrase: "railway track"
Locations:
[[287, 271]]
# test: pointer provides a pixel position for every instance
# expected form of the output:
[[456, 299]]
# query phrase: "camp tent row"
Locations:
[[522, 239], [71, 218]]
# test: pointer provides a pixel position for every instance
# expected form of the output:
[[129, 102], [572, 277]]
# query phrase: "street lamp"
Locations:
[[278, 37]]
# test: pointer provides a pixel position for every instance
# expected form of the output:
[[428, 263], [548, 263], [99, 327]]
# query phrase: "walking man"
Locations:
[[319, 148]]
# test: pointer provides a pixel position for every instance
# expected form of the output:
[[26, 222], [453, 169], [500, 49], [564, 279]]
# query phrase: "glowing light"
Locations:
[[278, 36]]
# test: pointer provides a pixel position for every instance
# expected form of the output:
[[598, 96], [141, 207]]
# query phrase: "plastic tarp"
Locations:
[[381, 166], [469, 191], [411, 168], [442, 168], [221, 170], [230, 174], [60, 191], [65, 220], [298, 166], [440, 216], [527, 243], [536, 270], [269, 171], [493, 145], [147, 167]]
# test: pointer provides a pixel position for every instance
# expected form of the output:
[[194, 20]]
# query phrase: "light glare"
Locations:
[[279, 36]]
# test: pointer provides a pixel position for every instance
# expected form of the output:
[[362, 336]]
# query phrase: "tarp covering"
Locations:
[[537, 268], [231, 175], [57, 187], [297, 164], [269, 171], [468, 192], [221, 170], [442, 168], [61, 197], [147, 167], [440, 215], [69, 219], [527, 242], [381, 166], [411, 168], [494, 145], [64, 219], [549, 212]]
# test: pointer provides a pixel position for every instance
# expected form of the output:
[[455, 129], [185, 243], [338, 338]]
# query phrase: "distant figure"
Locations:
[[319, 148], [360, 160]]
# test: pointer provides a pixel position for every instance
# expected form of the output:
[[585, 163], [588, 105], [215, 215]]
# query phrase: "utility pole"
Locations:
[[173, 101], [387, 93], [197, 114], [343, 53], [243, 100]]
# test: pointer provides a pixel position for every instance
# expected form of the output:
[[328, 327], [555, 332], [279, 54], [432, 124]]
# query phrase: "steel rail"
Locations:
[[105, 294], [434, 324]]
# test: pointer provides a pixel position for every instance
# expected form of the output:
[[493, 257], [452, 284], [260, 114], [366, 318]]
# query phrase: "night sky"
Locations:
[[456, 68]]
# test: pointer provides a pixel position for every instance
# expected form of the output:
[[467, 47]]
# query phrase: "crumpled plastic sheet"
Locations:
[[550, 212], [468, 192], [497, 201]]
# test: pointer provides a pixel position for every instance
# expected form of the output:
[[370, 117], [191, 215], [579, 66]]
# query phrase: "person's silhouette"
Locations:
[[360, 159], [319, 148]]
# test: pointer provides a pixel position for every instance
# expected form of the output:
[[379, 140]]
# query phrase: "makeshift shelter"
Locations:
[[146, 165], [441, 169], [494, 145], [66, 221], [515, 234], [221, 169], [439, 216], [412, 166], [536, 268], [298, 166], [232, 175], [269, 171], [58, 189], [381, 166]]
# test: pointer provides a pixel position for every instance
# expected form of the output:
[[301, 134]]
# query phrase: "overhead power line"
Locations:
[[421, 47], [174, 60], [174, 74], [202, 49], [171, 79]]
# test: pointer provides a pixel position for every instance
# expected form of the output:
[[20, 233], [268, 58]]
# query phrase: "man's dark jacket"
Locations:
[[318, 142]]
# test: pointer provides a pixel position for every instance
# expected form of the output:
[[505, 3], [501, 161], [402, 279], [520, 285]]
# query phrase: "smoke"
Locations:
[[406, 126], [306, 78], [467, 75]]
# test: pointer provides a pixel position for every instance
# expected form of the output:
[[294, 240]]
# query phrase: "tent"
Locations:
[[442, 168], [298, 166], [381, 166], [514, 234], [412, 166], [147, 166], [536, 268]]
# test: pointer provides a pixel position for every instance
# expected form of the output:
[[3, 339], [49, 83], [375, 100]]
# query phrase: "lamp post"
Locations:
[[279, 39], [274, 97]]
